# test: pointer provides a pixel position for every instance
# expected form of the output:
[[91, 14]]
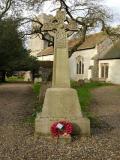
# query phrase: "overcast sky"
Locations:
[[114, 6], [113, 3]]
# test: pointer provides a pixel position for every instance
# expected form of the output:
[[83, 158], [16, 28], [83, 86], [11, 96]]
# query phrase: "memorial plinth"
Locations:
[[61, 102]]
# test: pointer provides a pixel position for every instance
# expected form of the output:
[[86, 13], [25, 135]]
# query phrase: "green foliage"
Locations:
[[37, 108], [28, 62], [13, 55], [36, 88], [11, 44], [84, 92], [14, 79]]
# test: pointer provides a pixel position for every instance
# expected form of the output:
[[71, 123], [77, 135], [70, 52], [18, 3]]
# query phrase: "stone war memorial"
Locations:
[[61, 102]]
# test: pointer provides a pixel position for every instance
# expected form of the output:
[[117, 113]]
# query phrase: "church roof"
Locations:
[[113, 53], [90, 42]]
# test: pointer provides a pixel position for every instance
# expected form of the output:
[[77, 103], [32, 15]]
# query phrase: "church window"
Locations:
[[104, 70], [80, 66]]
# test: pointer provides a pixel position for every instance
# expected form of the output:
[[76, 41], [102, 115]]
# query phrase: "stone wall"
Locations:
[[87, 56], [95, 70]]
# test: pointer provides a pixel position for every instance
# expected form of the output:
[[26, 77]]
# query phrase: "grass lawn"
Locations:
[[36, 88], [14, 79], [85, 97], [37, 107], [84, 93]]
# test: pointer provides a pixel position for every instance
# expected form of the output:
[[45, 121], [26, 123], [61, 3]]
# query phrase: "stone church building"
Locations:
[[98, 58]]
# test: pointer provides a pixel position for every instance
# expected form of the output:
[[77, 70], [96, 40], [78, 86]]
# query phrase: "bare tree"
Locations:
[[88, 14], [4, 7], [12, 7]]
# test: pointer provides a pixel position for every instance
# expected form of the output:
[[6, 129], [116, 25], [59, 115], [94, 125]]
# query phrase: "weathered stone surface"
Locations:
[[43, 88], [60, 68], [61, 104]]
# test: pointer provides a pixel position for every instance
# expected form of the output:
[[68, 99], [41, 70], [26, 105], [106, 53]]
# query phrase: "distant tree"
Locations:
[[28, 62], [13, 55], [12, 8], [4, 7]]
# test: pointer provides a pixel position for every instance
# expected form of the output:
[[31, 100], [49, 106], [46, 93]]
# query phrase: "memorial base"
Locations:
[[61, 104]]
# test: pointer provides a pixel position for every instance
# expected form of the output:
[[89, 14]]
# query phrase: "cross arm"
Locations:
[[50, 25], [72, 26]]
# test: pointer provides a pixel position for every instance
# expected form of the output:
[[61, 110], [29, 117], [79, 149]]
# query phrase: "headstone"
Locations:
[[37, 79], [28, 76], [61, 102]]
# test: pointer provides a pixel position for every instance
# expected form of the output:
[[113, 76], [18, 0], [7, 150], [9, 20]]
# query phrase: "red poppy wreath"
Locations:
[[61, 128]]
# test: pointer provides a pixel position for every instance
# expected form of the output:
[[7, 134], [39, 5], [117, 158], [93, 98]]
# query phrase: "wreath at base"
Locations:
[[61, 128]]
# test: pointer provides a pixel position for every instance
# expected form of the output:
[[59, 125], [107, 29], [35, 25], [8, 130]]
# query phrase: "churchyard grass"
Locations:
[[84, 94], [85, 97], [37, 107], [14, 79], [36, 88]]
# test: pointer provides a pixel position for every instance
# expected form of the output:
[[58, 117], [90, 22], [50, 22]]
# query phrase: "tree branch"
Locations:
[[7, 7]]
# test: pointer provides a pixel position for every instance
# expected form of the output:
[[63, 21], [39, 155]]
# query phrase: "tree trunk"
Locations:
[[33, 75], [3, 76]]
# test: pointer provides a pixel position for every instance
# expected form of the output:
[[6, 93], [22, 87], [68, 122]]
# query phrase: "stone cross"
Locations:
[[61, 101], [61, 78]]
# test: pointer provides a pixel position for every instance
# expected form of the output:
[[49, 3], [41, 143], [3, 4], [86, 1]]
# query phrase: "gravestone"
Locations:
[[28, 76], [61, 102]]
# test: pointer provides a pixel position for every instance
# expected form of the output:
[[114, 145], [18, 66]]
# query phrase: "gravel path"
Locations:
[[17, 140]]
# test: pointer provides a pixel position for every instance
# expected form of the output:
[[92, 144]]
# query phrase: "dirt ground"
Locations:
[[17, 141]]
